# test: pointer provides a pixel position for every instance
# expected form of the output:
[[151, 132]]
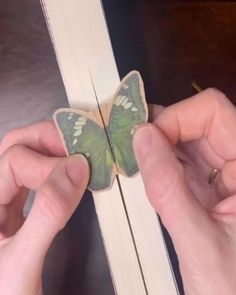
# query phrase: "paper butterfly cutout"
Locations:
[[84, 133]]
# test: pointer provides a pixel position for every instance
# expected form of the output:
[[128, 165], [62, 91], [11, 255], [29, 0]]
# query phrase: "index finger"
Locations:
[[208, 115], [42, 137]]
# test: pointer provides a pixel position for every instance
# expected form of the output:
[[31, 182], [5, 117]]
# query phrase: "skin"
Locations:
[[176, 154], [33, 157]]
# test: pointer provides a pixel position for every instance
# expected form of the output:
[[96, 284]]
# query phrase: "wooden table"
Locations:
[[171, 42]]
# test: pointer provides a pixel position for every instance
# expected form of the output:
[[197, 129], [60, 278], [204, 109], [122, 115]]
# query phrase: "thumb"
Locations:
[[165, 185], [54, 204]]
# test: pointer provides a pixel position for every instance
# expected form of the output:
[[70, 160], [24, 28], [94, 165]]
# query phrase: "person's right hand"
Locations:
[[176, 155]]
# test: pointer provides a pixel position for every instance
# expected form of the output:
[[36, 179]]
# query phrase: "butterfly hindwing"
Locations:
[[129, 110], [82, 135]]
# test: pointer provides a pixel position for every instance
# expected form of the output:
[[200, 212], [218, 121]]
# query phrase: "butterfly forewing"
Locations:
[[84, 136], [129, 110]]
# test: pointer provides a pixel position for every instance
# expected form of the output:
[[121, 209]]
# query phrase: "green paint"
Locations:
[[85, 136]]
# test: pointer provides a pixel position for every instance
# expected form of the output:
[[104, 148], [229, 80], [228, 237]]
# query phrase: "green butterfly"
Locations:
[[110, 150]]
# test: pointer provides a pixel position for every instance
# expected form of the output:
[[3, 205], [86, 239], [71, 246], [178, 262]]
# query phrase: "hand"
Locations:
[[33, 158], [176, 155]]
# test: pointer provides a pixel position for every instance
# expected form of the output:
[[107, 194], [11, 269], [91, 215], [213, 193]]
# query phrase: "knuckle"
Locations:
[[9, 157], [228, 176], [15, 151], [9, 184], [216, 96], [8, 140], [214, 92]]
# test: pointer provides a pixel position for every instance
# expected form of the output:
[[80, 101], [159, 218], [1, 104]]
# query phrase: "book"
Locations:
[[131, 232]]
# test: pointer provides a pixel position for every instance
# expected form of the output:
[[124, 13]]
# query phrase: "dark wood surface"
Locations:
[[171, 42]]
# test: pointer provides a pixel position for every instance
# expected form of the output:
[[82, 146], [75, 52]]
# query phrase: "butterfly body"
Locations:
[[107, 142]]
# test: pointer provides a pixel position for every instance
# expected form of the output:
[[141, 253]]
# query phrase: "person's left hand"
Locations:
[[33, 158], [187, 161]]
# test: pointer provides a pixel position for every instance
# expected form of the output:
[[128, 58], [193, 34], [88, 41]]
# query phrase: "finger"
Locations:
[[165, 185], [191, 227], [42, 137], [226, 179], [12, 216], [209, 115], [205, 150], [154, 111], [54, 204], [225, 213], [226, 209], [22, 167], [55, 201]]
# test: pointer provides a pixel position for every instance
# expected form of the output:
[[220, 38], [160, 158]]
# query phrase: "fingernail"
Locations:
[[77, 169], [143, 141]]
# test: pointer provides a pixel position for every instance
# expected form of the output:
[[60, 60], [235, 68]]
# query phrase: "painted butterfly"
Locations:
[[109, 150]]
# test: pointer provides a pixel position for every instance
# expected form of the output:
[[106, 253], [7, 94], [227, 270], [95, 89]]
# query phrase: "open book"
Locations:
[[131, 232]]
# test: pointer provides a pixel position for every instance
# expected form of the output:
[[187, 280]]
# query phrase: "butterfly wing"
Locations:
[[82, 135], [129, 110]]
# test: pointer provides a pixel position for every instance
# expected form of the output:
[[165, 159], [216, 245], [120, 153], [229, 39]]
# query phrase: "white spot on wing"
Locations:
[[75, 141], [126, 86], [123, 97], [134, 109], [78, 127], [70, 116], [127, 105], [125, 100], [87, 154], [79, 123], [82, 119], [118, 100], [77, 133]]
